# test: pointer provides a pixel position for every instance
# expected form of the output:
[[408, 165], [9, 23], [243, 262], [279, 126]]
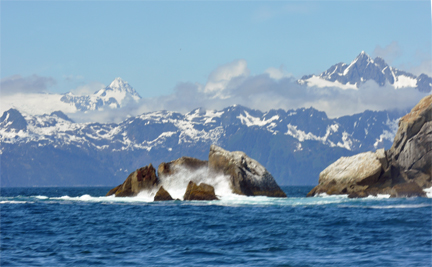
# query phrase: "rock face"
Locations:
[[162, 195], [350, 174], [410, 156], [402, 171], [172, 167], [199, 192], [247, 176], [142, 179]]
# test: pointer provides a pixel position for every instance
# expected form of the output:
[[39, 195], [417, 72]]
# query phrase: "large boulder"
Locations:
[[350, 175], [246, 175], [199, 192], [403, 171], [162, 195], [172, 167], [142, 179]]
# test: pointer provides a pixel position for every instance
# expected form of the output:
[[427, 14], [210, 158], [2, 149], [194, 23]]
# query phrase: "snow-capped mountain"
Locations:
[[363, 69], [116, 95], [295, 145]]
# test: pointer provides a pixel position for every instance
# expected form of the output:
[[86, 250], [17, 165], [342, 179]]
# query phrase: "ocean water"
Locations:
[[82, 227]]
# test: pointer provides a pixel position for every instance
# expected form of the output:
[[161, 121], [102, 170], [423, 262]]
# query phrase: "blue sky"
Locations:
[[156, 45]]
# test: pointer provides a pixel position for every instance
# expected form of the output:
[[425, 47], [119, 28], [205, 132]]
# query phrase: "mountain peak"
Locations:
[[119, 84], [363, 56], [118, 94], [362, 69]]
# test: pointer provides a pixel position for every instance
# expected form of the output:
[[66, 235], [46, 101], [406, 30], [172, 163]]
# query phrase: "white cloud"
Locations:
[[232, 84], [424, 67], [279, 73], [388, 53], [224, 76], [88, 89], [31, 84]]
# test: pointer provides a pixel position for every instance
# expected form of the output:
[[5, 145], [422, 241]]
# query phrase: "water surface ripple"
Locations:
[[81, 227]]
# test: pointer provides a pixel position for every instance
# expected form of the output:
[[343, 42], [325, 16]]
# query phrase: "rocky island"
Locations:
[[402, 171], [244, 175]]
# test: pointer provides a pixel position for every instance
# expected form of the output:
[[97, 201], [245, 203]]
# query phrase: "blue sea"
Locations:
[[82, 227]]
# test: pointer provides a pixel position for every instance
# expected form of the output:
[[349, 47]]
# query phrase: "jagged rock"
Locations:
[[247, 176], [172, 167], [410, 156], [402, 171], [199, 192], [350, 175], [162, 195], [411, 189], [142, 179]]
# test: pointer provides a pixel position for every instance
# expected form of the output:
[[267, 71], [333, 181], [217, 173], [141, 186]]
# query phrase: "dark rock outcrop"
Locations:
[[410, 189], [162, 195], [142, 179], [172, 167], [403, 171], [246, 175], [199, 192]]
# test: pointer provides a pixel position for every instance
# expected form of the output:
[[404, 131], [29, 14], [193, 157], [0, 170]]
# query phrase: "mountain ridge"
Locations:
[[362, 69], [294, 145]]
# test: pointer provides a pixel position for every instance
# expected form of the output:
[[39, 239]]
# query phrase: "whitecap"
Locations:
[[413, 206], [378, 196], [324, 195], [14, 202], [428, 192]]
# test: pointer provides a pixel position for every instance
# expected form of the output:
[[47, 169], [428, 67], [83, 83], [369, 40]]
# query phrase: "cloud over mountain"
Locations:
[[31, 84], [344, 89]]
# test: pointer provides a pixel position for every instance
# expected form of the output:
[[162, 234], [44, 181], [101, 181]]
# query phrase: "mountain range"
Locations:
[[294, 145]]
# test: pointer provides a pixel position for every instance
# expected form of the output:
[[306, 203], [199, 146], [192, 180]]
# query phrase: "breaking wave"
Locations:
[[226, 199]]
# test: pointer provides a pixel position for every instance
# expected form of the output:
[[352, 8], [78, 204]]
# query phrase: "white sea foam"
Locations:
[[14, 202], [378, 196], [176, 184], [226, 198], [401, 206], [428, 192], [413, 206], [324, 195]]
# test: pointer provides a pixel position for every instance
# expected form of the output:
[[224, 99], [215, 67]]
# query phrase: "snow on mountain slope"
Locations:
[[363, 68], [164, 129], [118, 94]]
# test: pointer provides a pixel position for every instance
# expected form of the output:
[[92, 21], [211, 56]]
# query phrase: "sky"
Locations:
[[159, 47]]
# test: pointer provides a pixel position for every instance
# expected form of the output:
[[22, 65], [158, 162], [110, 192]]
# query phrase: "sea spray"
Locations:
[[177, 182], [428, 192]]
